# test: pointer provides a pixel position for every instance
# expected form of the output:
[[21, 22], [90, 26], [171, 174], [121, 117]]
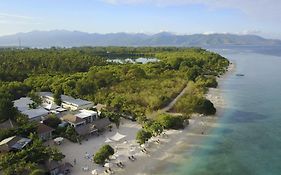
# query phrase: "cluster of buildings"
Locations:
[[74, 112], [48, 106], [77, 113]]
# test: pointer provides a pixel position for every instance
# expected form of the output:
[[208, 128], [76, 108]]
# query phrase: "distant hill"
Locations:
[[63, 38]]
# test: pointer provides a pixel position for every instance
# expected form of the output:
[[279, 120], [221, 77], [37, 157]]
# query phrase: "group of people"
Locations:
[[109, 171], [144, 150], [120, 165], [157, 141], [132, 158]]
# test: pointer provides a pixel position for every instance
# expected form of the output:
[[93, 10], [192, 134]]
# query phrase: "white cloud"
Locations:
[[7, 15], [251, 32], [255, 8], [7, 18]]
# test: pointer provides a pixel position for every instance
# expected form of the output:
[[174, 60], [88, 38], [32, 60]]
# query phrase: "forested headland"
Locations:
[[132, 88]]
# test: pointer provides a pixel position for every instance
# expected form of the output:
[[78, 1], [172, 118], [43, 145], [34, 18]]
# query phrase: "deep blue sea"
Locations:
[[247, 140]]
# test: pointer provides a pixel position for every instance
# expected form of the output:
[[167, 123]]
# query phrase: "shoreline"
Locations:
[[184, 141]]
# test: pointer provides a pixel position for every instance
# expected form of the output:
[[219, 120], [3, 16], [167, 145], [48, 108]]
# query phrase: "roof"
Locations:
[[85, 113], [15, 142], [101, 123], [67, 99], [8, 124], [117, 137], [23, 103], [21, 143], [42, 128], [83, 130], [51, 165], [60, 109], [7, 140], [34, 113], [66, 166], [46, 94], [75, 102], [49, 106], [72, 119]]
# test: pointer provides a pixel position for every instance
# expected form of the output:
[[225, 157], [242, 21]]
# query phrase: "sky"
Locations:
[[260, 17]]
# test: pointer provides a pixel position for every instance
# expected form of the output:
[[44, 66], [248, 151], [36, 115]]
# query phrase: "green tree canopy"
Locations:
[[143, 136], [103, 153]]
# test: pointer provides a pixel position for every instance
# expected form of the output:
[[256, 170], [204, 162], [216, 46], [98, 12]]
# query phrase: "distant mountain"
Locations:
[[64, 38]]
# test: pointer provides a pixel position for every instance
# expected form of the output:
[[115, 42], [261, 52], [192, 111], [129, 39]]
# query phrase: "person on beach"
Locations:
[[74, 161]]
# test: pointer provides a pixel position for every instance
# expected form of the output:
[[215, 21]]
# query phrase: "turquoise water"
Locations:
[[248, 137]]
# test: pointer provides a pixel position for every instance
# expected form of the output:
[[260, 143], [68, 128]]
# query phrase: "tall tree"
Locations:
[[7, 109], [57, 97]]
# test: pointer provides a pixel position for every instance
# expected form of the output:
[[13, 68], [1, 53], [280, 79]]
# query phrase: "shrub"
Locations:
[[154, 127], [103, 153], [210, 81], [171, 122], [143, 136], [205, 107], [71, 134]]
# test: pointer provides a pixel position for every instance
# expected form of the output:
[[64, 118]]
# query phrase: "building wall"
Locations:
[[66, 105], [74, 107], [46, 136], [47, 99], [69, 106], [38, 118], [86, 106]]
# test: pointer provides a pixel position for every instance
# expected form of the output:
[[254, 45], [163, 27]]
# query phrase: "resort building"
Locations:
[[44, 132], [24, 106], [67, 101], [23, 103], [13, 143], [88, 115], [73, 120], [86, 122]]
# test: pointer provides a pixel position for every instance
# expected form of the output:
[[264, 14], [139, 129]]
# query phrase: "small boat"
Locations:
[[240, 75]]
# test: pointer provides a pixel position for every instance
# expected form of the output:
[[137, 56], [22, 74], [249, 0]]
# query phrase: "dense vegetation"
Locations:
[[132, 89], [194, 101], [102, 154], [154, 127], [28, 159]]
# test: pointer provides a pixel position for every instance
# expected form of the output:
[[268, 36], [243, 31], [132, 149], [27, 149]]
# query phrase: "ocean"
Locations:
[[247, 139]]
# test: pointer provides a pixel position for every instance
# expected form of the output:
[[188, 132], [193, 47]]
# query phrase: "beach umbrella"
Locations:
[[112, 157], [108, 140], [108, 165], [125, 142], [143, 146], [116, 155], [95, 172]]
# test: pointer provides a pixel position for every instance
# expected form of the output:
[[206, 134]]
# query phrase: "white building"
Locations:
[[88, 115], [73, 120], [23, 105], [67, 101]]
